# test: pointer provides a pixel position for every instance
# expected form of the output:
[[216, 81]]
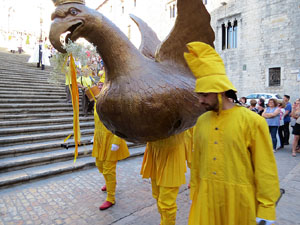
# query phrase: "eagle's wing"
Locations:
[[149, 40], [192, 24]]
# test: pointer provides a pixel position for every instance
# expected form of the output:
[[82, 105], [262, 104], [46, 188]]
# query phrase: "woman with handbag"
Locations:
[[272, 115], [296, 130]]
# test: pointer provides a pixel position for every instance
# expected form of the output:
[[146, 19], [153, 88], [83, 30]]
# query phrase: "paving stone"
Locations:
[[74, 198]]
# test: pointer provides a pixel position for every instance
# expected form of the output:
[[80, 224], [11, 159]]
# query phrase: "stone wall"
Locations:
[[155, 13], [268, 36]]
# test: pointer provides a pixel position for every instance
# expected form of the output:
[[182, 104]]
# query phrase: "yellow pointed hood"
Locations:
[[101, 74], [208, 68]]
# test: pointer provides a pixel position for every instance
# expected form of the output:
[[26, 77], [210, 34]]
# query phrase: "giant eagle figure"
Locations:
[[148, 93]]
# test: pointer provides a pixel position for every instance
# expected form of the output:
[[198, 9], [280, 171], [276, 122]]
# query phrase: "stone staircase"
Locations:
[[34, 121]]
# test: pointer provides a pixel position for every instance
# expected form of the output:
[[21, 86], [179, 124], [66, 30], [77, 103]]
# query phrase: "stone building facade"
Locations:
[[259, 41], [24, 20], [156, 13]]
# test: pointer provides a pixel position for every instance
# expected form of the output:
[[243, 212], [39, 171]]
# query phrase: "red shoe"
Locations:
[[106, 205], [103, 188]]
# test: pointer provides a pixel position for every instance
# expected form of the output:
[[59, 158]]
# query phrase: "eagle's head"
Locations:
[[74, 19]]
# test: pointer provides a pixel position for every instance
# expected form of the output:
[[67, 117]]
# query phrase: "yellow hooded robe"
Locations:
[[234, 175], [165, 161]]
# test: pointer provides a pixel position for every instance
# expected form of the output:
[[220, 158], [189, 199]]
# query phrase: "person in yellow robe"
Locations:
[[108, 149], [165, 163], [189, 148], [84, 82], [68, 84], [234, 176]]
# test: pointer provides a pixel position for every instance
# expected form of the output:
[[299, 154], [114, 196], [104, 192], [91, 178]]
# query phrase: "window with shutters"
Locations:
[[274, 76]]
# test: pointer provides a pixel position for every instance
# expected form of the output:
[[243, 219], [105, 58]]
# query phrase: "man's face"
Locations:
[[209, 101], [285, 99]]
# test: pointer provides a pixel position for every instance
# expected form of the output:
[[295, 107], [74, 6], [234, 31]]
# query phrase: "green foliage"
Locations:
[[78, 51]]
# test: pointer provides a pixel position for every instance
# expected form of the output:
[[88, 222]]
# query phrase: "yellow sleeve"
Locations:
[[88, 82], [265, 170], [116, 140], [195, 161], [68, 76]]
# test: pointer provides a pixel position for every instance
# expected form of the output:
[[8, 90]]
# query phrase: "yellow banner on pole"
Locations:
[[75, 103]]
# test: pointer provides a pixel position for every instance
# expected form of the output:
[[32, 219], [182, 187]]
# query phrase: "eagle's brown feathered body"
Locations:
[[148, 93]]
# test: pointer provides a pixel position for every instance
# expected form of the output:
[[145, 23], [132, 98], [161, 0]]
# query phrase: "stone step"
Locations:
[[46, 87], [33, 93], [19, 62], [26, 75], [25, 161], [9, 117], [33, 96], [23, 71], [19, 78], [18, 67], [42, 129], [11, 66], [35, 110], [21, 82], [45, 146], [19, 70], [11, 78], [29, 90], [26, 100], [34, 138], [42, 171], [5, 59], [36, 105], [25, 123], [7, 54]]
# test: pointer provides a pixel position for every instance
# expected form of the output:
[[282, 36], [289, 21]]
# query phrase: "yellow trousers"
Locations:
[[166, 202], [108, 169]]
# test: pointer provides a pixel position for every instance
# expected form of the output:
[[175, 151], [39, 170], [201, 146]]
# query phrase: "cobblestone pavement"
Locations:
[[74, 198]]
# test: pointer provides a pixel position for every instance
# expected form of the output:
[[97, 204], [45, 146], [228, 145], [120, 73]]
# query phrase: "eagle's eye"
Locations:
[[73, 11]]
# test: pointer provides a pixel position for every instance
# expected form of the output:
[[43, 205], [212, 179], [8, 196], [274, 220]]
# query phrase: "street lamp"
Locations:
[[10, 11], [41, 21], [41, 26]]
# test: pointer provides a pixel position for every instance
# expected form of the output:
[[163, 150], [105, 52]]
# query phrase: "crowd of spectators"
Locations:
[[280, 115]]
